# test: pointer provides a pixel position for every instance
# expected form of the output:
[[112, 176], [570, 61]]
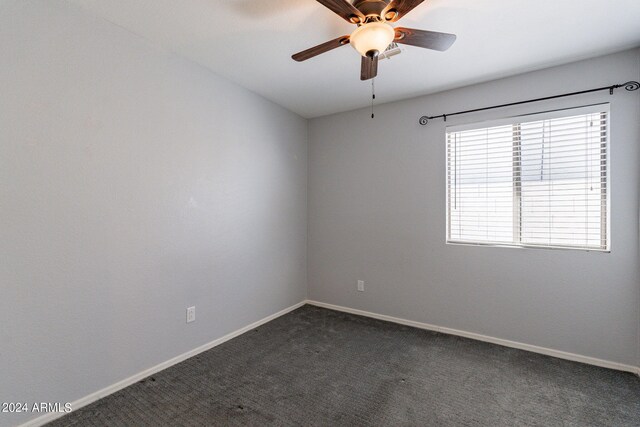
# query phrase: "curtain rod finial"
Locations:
[[631, 86]]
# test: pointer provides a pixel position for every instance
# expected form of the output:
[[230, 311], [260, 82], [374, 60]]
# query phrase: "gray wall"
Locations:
[[377, 213], [132, 184]]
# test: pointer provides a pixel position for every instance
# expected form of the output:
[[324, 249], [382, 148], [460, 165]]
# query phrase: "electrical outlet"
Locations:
[[191, 314], [361, 285]]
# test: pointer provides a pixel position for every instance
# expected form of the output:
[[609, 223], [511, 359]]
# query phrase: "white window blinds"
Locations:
[[538, 180]]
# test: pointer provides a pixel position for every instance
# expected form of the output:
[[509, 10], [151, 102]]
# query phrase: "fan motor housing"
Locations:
[[370, 7]]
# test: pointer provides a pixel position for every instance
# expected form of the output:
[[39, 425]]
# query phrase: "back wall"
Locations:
[[377, 213]]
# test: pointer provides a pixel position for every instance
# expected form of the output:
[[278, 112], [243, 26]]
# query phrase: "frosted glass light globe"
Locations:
[[372, 37]]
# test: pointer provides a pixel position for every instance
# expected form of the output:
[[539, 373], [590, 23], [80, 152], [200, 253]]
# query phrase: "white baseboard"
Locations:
[[485, 338], [84, 401]]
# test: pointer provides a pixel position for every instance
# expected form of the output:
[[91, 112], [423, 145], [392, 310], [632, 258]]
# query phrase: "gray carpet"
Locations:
[[320, 367]]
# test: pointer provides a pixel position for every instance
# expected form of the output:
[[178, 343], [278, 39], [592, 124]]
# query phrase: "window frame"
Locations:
[[532, 117]]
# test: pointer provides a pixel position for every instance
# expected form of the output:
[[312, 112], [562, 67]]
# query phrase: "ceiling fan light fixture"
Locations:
[[374, 34], [372, 38]]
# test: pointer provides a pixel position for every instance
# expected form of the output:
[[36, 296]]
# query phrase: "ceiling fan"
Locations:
[[374, 33]]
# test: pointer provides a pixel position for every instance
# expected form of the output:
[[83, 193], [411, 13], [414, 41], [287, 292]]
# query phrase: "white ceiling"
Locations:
[[251, 42]]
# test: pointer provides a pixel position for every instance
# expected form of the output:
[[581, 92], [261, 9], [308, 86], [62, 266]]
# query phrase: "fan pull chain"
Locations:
[[373, 95]]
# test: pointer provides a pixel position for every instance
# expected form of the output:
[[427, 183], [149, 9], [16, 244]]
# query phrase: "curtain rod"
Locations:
[[630, 86]]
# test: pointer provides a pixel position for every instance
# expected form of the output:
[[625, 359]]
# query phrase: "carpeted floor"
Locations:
[[320, 367]]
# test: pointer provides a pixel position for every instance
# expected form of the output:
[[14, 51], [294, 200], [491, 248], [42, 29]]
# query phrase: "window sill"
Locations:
[[506, 245]]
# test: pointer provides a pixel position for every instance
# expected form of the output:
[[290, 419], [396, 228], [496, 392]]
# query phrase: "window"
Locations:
[[536, 181]]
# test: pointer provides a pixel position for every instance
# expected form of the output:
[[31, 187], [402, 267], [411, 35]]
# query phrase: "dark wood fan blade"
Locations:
[[396, 9], [369, 68], [426, 39], [321, 48], [345, 9]]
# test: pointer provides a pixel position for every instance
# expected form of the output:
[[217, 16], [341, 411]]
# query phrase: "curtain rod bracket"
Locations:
[[628, 86]]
